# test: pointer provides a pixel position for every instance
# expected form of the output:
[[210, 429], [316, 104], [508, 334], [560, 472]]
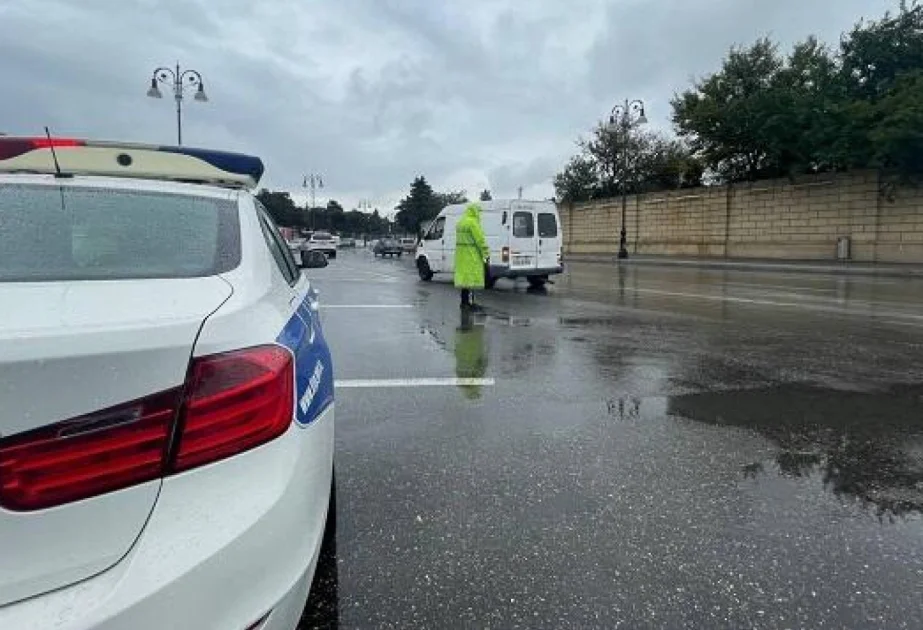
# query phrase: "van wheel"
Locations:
[[489, 281], [426, 274], [537, 282]]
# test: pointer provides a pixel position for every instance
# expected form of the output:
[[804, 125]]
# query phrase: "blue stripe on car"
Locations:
[[302, 335]]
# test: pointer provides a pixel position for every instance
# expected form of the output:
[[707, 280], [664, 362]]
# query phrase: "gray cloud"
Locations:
[[372, 93]]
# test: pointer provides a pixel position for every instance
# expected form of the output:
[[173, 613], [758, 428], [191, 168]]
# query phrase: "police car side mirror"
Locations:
[[313, 260]]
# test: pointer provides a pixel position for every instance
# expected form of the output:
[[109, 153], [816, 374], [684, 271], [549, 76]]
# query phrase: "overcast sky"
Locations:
[[472, 94]]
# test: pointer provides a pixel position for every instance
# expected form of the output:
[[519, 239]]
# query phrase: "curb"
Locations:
[[811, 267]]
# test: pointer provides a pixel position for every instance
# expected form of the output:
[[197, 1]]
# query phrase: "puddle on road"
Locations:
[[863, 445]]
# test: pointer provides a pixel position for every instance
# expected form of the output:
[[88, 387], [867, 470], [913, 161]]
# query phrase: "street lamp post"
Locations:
[[621, 119], [313, 181], [179, 80]]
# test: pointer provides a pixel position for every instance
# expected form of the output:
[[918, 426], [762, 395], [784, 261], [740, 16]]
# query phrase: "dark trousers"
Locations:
[[466, 297]]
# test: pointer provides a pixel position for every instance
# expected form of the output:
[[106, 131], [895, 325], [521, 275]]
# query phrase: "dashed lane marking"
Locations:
[[323, 306]]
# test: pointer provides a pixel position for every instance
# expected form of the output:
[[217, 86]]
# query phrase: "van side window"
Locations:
[[547, 225], [523, 227], [436, 230]]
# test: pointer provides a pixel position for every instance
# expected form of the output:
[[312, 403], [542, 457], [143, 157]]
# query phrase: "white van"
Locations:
[[524, 238]]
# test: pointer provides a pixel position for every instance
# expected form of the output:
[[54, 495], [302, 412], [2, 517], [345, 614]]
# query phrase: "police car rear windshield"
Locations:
[[49, 233]]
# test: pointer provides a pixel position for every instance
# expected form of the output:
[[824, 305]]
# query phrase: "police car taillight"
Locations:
[[231, 403], [235, 401], [87, 456]]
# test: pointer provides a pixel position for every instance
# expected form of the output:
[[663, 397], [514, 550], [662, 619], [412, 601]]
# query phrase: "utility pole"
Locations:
[[313, 181], [520, 192]]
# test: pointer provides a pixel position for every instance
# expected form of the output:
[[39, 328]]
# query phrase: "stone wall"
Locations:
[[771, 219]]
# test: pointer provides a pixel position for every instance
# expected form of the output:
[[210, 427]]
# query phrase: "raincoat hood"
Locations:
[[473, 210]]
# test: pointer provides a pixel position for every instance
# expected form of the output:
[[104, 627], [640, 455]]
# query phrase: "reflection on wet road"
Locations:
[[658, 448]]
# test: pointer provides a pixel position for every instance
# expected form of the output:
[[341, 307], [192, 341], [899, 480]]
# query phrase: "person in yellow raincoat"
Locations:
[[471, 254]]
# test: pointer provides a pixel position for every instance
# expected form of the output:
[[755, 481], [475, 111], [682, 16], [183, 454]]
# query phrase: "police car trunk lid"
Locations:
[[67, 351]]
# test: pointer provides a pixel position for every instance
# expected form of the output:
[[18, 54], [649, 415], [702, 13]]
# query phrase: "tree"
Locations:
[[626, 158], [485, 195], [452, 198], [281, 208], [578, 181], [724, 117], [816, 110], [419, 206], [880, 69], [875, 54], [896, 136]]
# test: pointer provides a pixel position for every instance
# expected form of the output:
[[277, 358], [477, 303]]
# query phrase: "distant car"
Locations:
[[408, 244], [387, 247], [347, 242], [322, 242]]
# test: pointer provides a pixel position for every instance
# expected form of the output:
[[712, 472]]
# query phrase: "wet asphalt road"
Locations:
[[658, 448]]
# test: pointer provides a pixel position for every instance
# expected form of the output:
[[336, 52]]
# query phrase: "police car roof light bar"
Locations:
[[122, 159]]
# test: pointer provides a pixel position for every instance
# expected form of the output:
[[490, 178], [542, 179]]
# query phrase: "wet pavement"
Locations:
[[634, 448]]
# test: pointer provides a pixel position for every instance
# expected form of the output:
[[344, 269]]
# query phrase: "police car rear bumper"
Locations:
[[226, 545], [498, 271]]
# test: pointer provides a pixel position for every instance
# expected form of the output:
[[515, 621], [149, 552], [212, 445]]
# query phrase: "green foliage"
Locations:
[[452, 198], [723, 117], [281, 208], [896, 138], [422, 205], [578, 181], [331, 218], [876, 54], [626, 159], [816, 110], [418, 207]]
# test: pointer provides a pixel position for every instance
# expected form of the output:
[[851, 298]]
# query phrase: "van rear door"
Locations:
[[523, 241], [549, 238]]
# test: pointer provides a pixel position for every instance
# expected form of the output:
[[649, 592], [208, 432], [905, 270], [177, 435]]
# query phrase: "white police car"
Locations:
[[166, 394]]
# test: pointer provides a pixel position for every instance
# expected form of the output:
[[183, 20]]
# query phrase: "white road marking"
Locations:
[[323, 306], [815, 306], [389, 276], [359, 280], [368, 383], [898, 323]]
